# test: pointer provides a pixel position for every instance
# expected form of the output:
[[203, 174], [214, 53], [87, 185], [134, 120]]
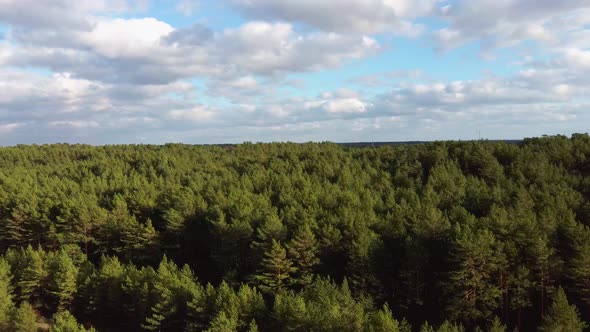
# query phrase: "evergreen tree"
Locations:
[[562, 316], [253, 327], [473, 284], [23, 319], [200, 309], [31, 275], [223, 323], [581, 272], [275, 270], [62, 279], [14, 231], [106, 293], [271, 229], [450, 327], [303, 249], [497, 326], [521, 286], [383, 321], [427, 328], [64, 321], [6, 304]]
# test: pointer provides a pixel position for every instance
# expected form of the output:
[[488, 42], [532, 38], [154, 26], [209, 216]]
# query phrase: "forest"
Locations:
[[446, 236]]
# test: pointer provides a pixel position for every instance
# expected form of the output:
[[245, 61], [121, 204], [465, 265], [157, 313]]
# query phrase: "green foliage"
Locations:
[[29, 273], [383, 321], [223, 323], [450, 327], [562, 316], [64, 321], [474, 283], [62, 276], [6, 304], [323, 306], [275, 271], [23, 319], [497, 326], [303, 250], [298, 236]]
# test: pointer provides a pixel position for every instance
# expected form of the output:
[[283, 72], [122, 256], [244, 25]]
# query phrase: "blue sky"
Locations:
[[197, 71]]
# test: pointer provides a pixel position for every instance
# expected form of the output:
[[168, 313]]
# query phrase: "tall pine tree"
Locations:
[[275, 270], [303, 250]]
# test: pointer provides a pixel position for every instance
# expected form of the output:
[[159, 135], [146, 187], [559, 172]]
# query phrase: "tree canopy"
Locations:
[[442, 236]]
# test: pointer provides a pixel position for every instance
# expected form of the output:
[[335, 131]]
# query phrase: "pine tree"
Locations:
[[253, 327], [23, 319], [271, 229], [450, 327], [223, 323], [521, 285], [561, 316], [497, 326], [32, 275], [581, 272], [290, 312], [426, 327], [106, 293], [13, 230], [139, 241], [163, 307], [6, 305], [544, 268], [473, 285], [275, 271], [303, 250], [383, 321], [62, 279], [174, 226], [64, 321], [200, 309], [250, 305]]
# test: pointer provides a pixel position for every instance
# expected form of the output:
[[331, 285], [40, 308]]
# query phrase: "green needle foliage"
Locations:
[[434, 237], [275, 271], [562, 316]]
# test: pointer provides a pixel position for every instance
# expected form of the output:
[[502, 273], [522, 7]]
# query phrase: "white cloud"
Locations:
[[346, 16], [498, 24], [270, 49], [578, 57], [196, 114], [126, 38], [81, 71], [77, 124], [345, 105], [187, 7], [149, 51], [61, 14]]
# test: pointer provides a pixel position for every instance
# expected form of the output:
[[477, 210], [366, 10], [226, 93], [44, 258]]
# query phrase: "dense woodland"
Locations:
[[437, 237]]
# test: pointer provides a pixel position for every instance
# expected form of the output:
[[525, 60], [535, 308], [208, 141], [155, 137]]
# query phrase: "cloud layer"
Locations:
[[114, 71]]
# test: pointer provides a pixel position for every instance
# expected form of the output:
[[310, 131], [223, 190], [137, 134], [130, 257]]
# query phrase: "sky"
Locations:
[[228, 71]]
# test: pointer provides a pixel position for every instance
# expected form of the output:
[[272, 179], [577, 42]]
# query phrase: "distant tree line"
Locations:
[[435, 237]]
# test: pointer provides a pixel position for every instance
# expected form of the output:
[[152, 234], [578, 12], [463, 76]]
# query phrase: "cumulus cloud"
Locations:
[[89, 71], [152, 52], [498, 24], [347, 16], [61, 14], [268, 49]]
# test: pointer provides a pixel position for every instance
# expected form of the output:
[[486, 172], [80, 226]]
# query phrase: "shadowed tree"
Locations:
[[562, 316]]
